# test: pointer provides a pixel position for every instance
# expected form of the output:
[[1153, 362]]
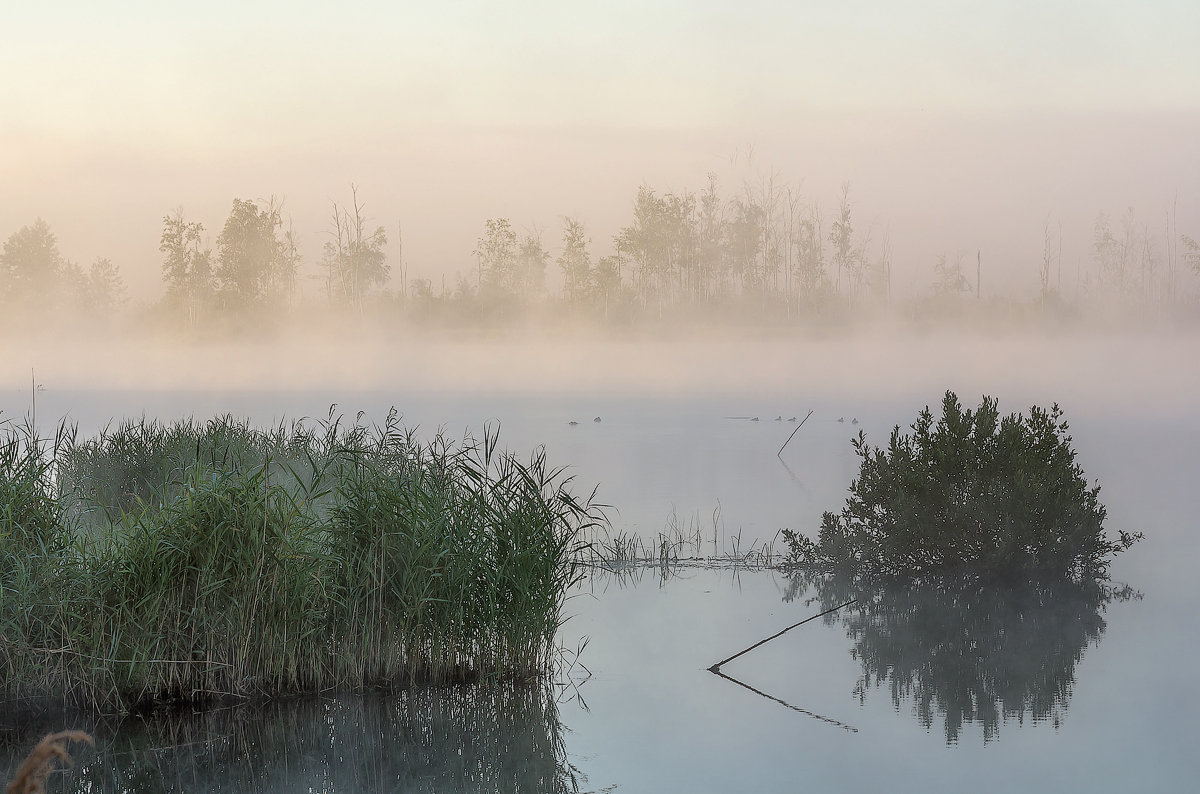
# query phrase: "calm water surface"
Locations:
[[1095, 696]]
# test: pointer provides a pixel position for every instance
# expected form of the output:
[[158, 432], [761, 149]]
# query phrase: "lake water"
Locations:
[[1104, 700]]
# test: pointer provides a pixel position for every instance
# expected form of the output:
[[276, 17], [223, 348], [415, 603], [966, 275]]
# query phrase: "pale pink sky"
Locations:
[[959, 125]]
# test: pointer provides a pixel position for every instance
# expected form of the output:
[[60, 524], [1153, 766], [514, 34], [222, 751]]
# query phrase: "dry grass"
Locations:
[[32, 774]]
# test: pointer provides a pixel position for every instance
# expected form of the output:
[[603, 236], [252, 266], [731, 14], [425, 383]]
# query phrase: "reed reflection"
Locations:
[[463, 739], [965, 653]]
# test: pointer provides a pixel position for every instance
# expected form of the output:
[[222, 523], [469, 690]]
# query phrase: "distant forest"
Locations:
[[758, 257]]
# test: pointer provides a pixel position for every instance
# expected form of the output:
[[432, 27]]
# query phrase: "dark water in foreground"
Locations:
[[425, 740], [913, 692]]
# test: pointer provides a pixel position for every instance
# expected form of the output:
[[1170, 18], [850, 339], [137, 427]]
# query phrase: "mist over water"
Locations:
[[1110, 369]]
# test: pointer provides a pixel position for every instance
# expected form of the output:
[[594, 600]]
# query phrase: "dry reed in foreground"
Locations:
[[32, 774]]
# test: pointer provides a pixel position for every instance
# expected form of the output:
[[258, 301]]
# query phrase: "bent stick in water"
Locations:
[[716, 668], [785, 443]]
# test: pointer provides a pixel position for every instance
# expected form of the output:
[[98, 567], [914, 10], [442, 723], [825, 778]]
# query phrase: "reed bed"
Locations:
[[186, 562], [694, 543]]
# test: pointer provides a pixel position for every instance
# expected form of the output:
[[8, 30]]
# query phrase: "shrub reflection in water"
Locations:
[[965, 652]]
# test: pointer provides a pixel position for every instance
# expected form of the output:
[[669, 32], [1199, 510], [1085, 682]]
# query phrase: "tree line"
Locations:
[[34, 273], [765, 251], [256, 265], [761, 254]]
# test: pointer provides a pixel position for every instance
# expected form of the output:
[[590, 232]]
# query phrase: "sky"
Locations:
[[960, 126]]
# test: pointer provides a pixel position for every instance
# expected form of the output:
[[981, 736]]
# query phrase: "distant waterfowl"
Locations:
[[779, 418], [792, 419], [854, 421], [572, 423], [755, 419], [841, 419], [597, 419]]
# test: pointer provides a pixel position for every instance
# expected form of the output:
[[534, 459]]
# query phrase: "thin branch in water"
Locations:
[[716, 668], [779, 454]]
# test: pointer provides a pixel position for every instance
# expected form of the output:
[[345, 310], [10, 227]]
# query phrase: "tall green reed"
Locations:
[[191, 561]]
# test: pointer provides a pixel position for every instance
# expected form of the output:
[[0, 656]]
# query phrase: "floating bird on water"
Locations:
[[792, 419], [779, 418], [597, 419], [854, 421], [572, 423], [755, 419], [841, 419]]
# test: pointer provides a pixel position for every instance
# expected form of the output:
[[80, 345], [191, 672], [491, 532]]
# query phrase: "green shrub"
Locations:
[[975, 494]]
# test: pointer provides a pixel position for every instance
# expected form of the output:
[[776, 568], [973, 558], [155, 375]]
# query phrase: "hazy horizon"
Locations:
[[958, 128]]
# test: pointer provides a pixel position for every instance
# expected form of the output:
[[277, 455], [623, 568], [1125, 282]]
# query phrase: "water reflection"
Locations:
[[715, 669], [476, 739], [967, 653]]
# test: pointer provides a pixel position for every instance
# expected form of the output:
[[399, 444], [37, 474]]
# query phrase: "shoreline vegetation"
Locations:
[[165, 564]]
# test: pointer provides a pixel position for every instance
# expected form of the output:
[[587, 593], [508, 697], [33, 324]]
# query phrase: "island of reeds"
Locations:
[[173, 563]]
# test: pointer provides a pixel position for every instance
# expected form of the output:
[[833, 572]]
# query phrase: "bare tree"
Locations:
[[354, 260], [575, 262]]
